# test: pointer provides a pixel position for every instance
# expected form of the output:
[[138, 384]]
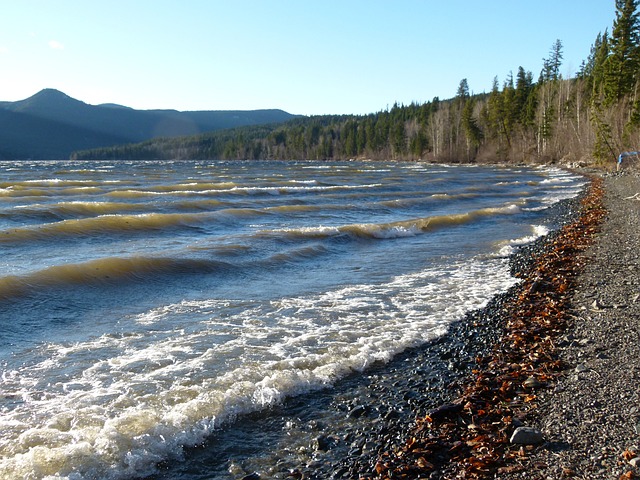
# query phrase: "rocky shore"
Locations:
[[568, 378], [556, 358], [590, 417]]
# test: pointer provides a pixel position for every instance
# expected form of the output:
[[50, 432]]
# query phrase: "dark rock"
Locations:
[[358, 411], [252, 476], [582, 368], [445, 410], [391, 414], [324, 443], [340, 473]]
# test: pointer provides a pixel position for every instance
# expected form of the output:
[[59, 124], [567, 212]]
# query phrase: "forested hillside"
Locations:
[[51, 125], [592, 117]]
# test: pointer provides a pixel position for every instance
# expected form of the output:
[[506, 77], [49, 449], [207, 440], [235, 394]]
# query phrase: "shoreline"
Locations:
[[379, 416], [447, 409], [567, 364], [591, 418], [472, 390], [471, 437]]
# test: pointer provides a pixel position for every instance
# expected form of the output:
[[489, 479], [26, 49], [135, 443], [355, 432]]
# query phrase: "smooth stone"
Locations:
[[582, 368], [526, 436], [533, 382]]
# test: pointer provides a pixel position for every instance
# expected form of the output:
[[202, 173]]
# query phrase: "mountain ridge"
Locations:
[[51, 125]]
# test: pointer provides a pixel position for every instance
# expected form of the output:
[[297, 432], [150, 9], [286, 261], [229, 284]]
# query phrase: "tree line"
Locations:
[[591, 117]]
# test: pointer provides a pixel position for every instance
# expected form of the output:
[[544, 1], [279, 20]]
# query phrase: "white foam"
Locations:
[[560, 185], [397, 232], [114, 406], [537, 232]]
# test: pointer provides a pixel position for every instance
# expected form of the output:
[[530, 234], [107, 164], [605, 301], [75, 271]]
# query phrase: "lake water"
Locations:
[[144, 305]]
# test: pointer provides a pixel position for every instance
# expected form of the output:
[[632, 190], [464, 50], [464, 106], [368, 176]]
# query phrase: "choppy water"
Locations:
[[143, 305]]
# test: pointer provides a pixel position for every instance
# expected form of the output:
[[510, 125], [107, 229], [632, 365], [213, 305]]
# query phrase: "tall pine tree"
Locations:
[[621, 68], [551, 65]]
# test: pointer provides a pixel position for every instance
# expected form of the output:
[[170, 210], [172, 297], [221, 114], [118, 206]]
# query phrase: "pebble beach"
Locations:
[[590, 418], [584, 409], [568, 377]]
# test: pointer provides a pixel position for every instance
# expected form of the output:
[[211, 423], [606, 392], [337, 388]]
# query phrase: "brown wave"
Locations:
[[111, 270]]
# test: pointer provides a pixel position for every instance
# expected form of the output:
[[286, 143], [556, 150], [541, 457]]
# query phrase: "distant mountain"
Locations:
[[51, 125]]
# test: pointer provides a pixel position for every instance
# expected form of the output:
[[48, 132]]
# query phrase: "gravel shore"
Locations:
[[569, 374], [590, 420], [585, 413]]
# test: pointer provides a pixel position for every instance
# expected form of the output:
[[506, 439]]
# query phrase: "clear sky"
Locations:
[[303, 56]]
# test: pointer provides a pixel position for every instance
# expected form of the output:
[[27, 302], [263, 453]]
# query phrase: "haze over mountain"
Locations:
[[51, 125]]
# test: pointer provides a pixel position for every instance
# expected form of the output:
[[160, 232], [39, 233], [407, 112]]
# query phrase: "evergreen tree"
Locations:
[[602, 148], [621, 67], [457, 107], [523, 103], [472, 131], [523, 88], [510, 107], [493, 111], [419, 144], [599, 62], [551, 65], [399, 139], [587, 66], [463, 90], [361, 138]]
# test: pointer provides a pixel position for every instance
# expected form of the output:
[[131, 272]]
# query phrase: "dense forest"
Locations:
[[590, 118]]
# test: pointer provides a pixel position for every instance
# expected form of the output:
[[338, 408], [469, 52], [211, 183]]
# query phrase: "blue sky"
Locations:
[[303, 56]]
